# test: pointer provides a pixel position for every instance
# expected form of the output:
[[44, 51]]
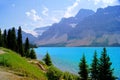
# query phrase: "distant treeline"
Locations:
[[9, 39]]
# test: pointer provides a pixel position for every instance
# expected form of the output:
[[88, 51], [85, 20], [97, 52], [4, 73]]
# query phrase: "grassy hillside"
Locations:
[[20, 65]]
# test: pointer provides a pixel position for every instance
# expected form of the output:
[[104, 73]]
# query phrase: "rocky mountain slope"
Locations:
[[87, 28]]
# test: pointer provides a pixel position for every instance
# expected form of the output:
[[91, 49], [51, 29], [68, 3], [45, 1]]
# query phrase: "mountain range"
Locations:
[[86, 28]]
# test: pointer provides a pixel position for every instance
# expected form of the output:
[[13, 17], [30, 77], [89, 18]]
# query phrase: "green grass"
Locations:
[[19, 64]]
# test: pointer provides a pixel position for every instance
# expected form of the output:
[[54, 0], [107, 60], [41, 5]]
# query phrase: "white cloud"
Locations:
[[32, 14], [70, 9], [96, 1], [45, 11], [105, 2], [54, 19], [28, 13], [29, 28]]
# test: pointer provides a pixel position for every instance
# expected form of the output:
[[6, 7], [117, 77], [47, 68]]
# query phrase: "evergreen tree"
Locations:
[[9, 41], [32, 54], [94, 67], [5, 38], [13, 40], [28, 53], [105, 71], [27, 47], [19, 42], [47, 59], [1, 42], [83, 69]]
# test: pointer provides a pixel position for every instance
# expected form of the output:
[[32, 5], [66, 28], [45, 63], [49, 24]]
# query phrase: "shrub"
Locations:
[[69, 76], [54, 73]]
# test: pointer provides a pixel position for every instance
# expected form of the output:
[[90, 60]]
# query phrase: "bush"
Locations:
[[47, 59], [32, 54], [69, 76], [54, 73]]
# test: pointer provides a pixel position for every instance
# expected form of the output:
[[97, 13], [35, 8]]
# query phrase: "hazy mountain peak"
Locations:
[[40, 30], [84, 13], [109, 9]]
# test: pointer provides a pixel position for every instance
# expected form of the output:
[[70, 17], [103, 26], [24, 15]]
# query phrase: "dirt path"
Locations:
[[9, 75], [41, 67], [38, 64], [2, 52]]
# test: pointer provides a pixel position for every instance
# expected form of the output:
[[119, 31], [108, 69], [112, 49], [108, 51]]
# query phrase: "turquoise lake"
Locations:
[[68, 58]]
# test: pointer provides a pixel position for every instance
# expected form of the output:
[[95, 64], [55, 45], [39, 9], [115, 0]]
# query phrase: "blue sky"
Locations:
[[31, 14]]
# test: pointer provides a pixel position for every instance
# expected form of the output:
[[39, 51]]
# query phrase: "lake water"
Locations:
[[68, 58]]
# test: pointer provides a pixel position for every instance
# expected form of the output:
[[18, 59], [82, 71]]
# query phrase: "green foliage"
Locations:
[[19, 64], [5, 38], [19, 42], [0, 38], [47, 59], [27, 47], [10, 39], [83, 69], [32, 54], [13, 40], [9, 42], [100, 68], [3, 61], [105, 71], [27, 54], [69, 76], [53, 73], [94, 67]]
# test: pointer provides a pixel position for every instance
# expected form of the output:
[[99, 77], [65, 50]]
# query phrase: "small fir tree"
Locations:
[[47, 59], [105, 71], [27, 47], [94, 67], [83, 69], [32, 54]]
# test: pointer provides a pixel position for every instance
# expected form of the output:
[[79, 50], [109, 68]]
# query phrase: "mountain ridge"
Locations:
[[87, 28]]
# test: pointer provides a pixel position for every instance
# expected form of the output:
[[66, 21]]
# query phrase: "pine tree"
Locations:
[[9, 42], [19, 42], [27, 47], [32, 54], [5, 38], [28, 53], [13, 40], [1, 42], [47, 59], [105, 71], [83, 69], [94, 67]]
